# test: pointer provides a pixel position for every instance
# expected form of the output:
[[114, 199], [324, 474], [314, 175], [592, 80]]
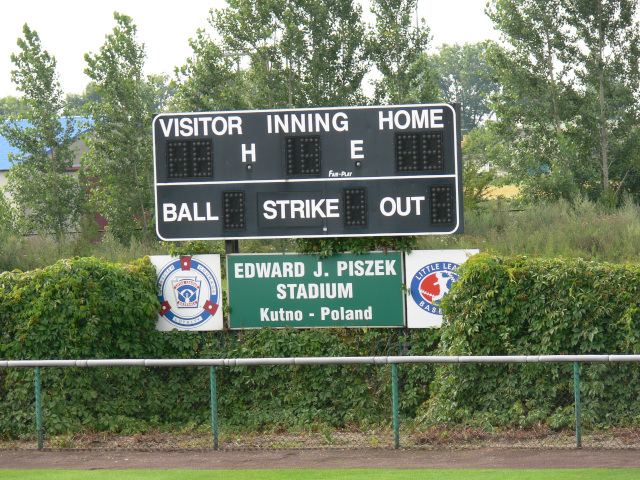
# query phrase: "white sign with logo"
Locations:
[[189, 291], [429, 276]]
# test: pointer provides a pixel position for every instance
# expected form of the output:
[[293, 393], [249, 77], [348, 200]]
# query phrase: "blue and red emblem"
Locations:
[[188, 291], [431, 283]]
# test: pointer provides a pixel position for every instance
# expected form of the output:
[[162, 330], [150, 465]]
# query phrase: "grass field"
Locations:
[[506, 191], [582, 474]]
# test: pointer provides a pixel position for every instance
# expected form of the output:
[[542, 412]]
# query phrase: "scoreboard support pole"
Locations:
[[231, 246]]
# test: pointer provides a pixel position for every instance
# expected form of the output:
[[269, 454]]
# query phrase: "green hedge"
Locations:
[[84, 308], [79, 309], [529, 306]]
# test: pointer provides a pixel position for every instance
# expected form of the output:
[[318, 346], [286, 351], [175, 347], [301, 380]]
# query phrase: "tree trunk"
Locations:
[[604, 140], [552, 79]]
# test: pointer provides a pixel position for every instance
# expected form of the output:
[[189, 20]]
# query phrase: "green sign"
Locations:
[[301, 291]]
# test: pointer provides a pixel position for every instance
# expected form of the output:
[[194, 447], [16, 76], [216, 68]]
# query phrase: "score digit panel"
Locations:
[[389, 170]]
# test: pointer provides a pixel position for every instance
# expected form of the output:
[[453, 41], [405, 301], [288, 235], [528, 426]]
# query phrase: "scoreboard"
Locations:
[[317, 172]]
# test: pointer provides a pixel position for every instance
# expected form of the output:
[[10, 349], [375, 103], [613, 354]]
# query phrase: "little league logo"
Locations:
[[431, 283], [189, 292]]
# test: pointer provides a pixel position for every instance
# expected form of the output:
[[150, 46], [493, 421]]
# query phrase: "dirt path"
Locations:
[[319, 459]]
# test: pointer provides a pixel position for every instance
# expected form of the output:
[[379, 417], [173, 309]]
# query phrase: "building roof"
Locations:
[[80, 127]]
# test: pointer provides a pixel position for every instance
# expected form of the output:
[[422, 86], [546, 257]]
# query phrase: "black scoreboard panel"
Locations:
[[389, 170]]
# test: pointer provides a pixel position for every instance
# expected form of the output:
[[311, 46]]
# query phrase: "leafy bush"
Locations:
[[326, 247], [79, 309], [85, 308], [72, 310], [311, 397], [528, 306]]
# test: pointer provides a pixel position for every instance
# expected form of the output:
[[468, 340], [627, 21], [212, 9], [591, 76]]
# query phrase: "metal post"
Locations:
[[214, 407], [39, 409], [576, 389], [396, 423], [232, 246]]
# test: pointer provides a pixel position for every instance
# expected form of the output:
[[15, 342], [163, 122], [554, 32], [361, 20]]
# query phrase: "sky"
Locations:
[[70, 28]]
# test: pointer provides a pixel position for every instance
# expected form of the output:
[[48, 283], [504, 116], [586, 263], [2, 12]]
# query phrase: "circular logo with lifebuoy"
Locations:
[[431, 283], [189, 292]]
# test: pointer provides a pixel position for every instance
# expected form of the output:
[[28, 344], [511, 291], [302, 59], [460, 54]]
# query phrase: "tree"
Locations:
[[210, 81], [396, 48], [277, 54], [75, 103], [161, 84], [120, 145], [251, 32], [331, 59], [568, 105], [481, 150], [537, 32], [164, 89], [423, 87], [535, 102], [6, 216], [48, 198], [607, 67], [12, 106], [464, 77]]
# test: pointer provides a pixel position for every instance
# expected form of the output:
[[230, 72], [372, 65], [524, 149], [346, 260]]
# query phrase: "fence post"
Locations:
[[396, 422], [214, 407], [39, 409], [576, 389]]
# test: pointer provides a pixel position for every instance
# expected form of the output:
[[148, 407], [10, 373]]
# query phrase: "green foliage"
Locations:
[[395, 46], [313, 397], [6, 217], [528, 306], [271, 54], [12, 107], [480, 149], [608, 69], [281, 397], [209, 80], [54, 202], [75, 103], [120, 146], [465, 77], [326, 247], [567, 107], [76, 309], [177, 249], [423, 82], [535, 105], [85, 308], [583, 229]]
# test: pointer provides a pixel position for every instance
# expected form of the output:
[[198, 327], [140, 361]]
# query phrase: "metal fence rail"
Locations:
[[373, 360], [393, 361]]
